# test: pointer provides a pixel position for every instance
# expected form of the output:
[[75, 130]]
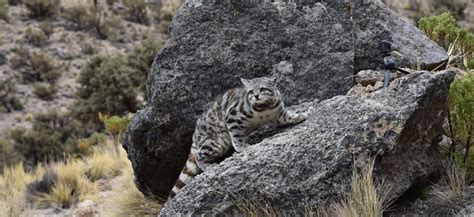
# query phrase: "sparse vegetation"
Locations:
[[51, 136], [36, 37], [42, 8], [137, 11], [8, 100], [103, 25], [8, 155], [45, 91], [47, 27], [43, 68], [77, 15]]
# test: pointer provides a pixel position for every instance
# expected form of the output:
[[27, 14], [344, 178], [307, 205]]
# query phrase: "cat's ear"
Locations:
[[244, 81], [274, 79]]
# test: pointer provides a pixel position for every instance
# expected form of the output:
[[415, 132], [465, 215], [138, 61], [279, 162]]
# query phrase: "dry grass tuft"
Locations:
[[257, 208], [128, 200], [103, 164], [71, 186], [366, 198], [12, 183], [450, 195]]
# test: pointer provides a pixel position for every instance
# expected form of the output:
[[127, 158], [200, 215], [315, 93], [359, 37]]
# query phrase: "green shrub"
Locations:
[[36, 37], [7, 96], [45, 91], [8, 155], [78, 16], [43, 68], [47, 28], [108, 86], [116, 125], [51, 137], [461, 113], [104, 26], [20, 58], [4, 10], [459, 42], [42, 8], [136, 11]]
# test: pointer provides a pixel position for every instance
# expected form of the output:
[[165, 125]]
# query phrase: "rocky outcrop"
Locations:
[[309, 163], [315, 46]]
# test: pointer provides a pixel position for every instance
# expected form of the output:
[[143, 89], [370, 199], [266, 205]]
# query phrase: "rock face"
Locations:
[[401, 125], [315, 46]]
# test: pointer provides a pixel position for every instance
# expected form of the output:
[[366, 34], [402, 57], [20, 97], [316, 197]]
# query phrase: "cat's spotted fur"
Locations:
[[222, 129]]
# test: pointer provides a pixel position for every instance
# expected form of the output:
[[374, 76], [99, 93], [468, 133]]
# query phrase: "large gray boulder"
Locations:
[[306, 164], [315, 46]]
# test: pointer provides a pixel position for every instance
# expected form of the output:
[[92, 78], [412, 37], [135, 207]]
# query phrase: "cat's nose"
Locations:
[[256, 96]]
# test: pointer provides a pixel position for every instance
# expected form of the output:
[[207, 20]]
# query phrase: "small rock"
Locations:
[[86, 208]]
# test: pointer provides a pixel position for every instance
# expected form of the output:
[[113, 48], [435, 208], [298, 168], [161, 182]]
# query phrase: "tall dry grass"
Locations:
[[450, 194], [127, 200]]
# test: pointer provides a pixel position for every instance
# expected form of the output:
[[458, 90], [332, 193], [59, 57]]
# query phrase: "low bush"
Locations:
[[4, 10], [51, 137], [44, 68], [108, 86], [8, 100], [8, 155], [137, 11], [103, 25], [42, 8], [45, 91], [459, 42], [36, 37], [77, 16], [20, 58], [47, 27]]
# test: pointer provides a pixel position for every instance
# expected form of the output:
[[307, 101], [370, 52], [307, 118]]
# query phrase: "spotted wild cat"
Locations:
[[222, 129]]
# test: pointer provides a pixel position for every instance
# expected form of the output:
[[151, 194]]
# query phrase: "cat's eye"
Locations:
[[265, 90], [250, 92]]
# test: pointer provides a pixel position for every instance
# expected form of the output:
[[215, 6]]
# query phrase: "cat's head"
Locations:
[[262, 92]]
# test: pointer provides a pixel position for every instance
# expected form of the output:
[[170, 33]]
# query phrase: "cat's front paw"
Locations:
[[240, 147], [300, 118]]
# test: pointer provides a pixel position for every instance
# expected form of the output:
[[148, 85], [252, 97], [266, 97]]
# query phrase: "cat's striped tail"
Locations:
[[190, 170]]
